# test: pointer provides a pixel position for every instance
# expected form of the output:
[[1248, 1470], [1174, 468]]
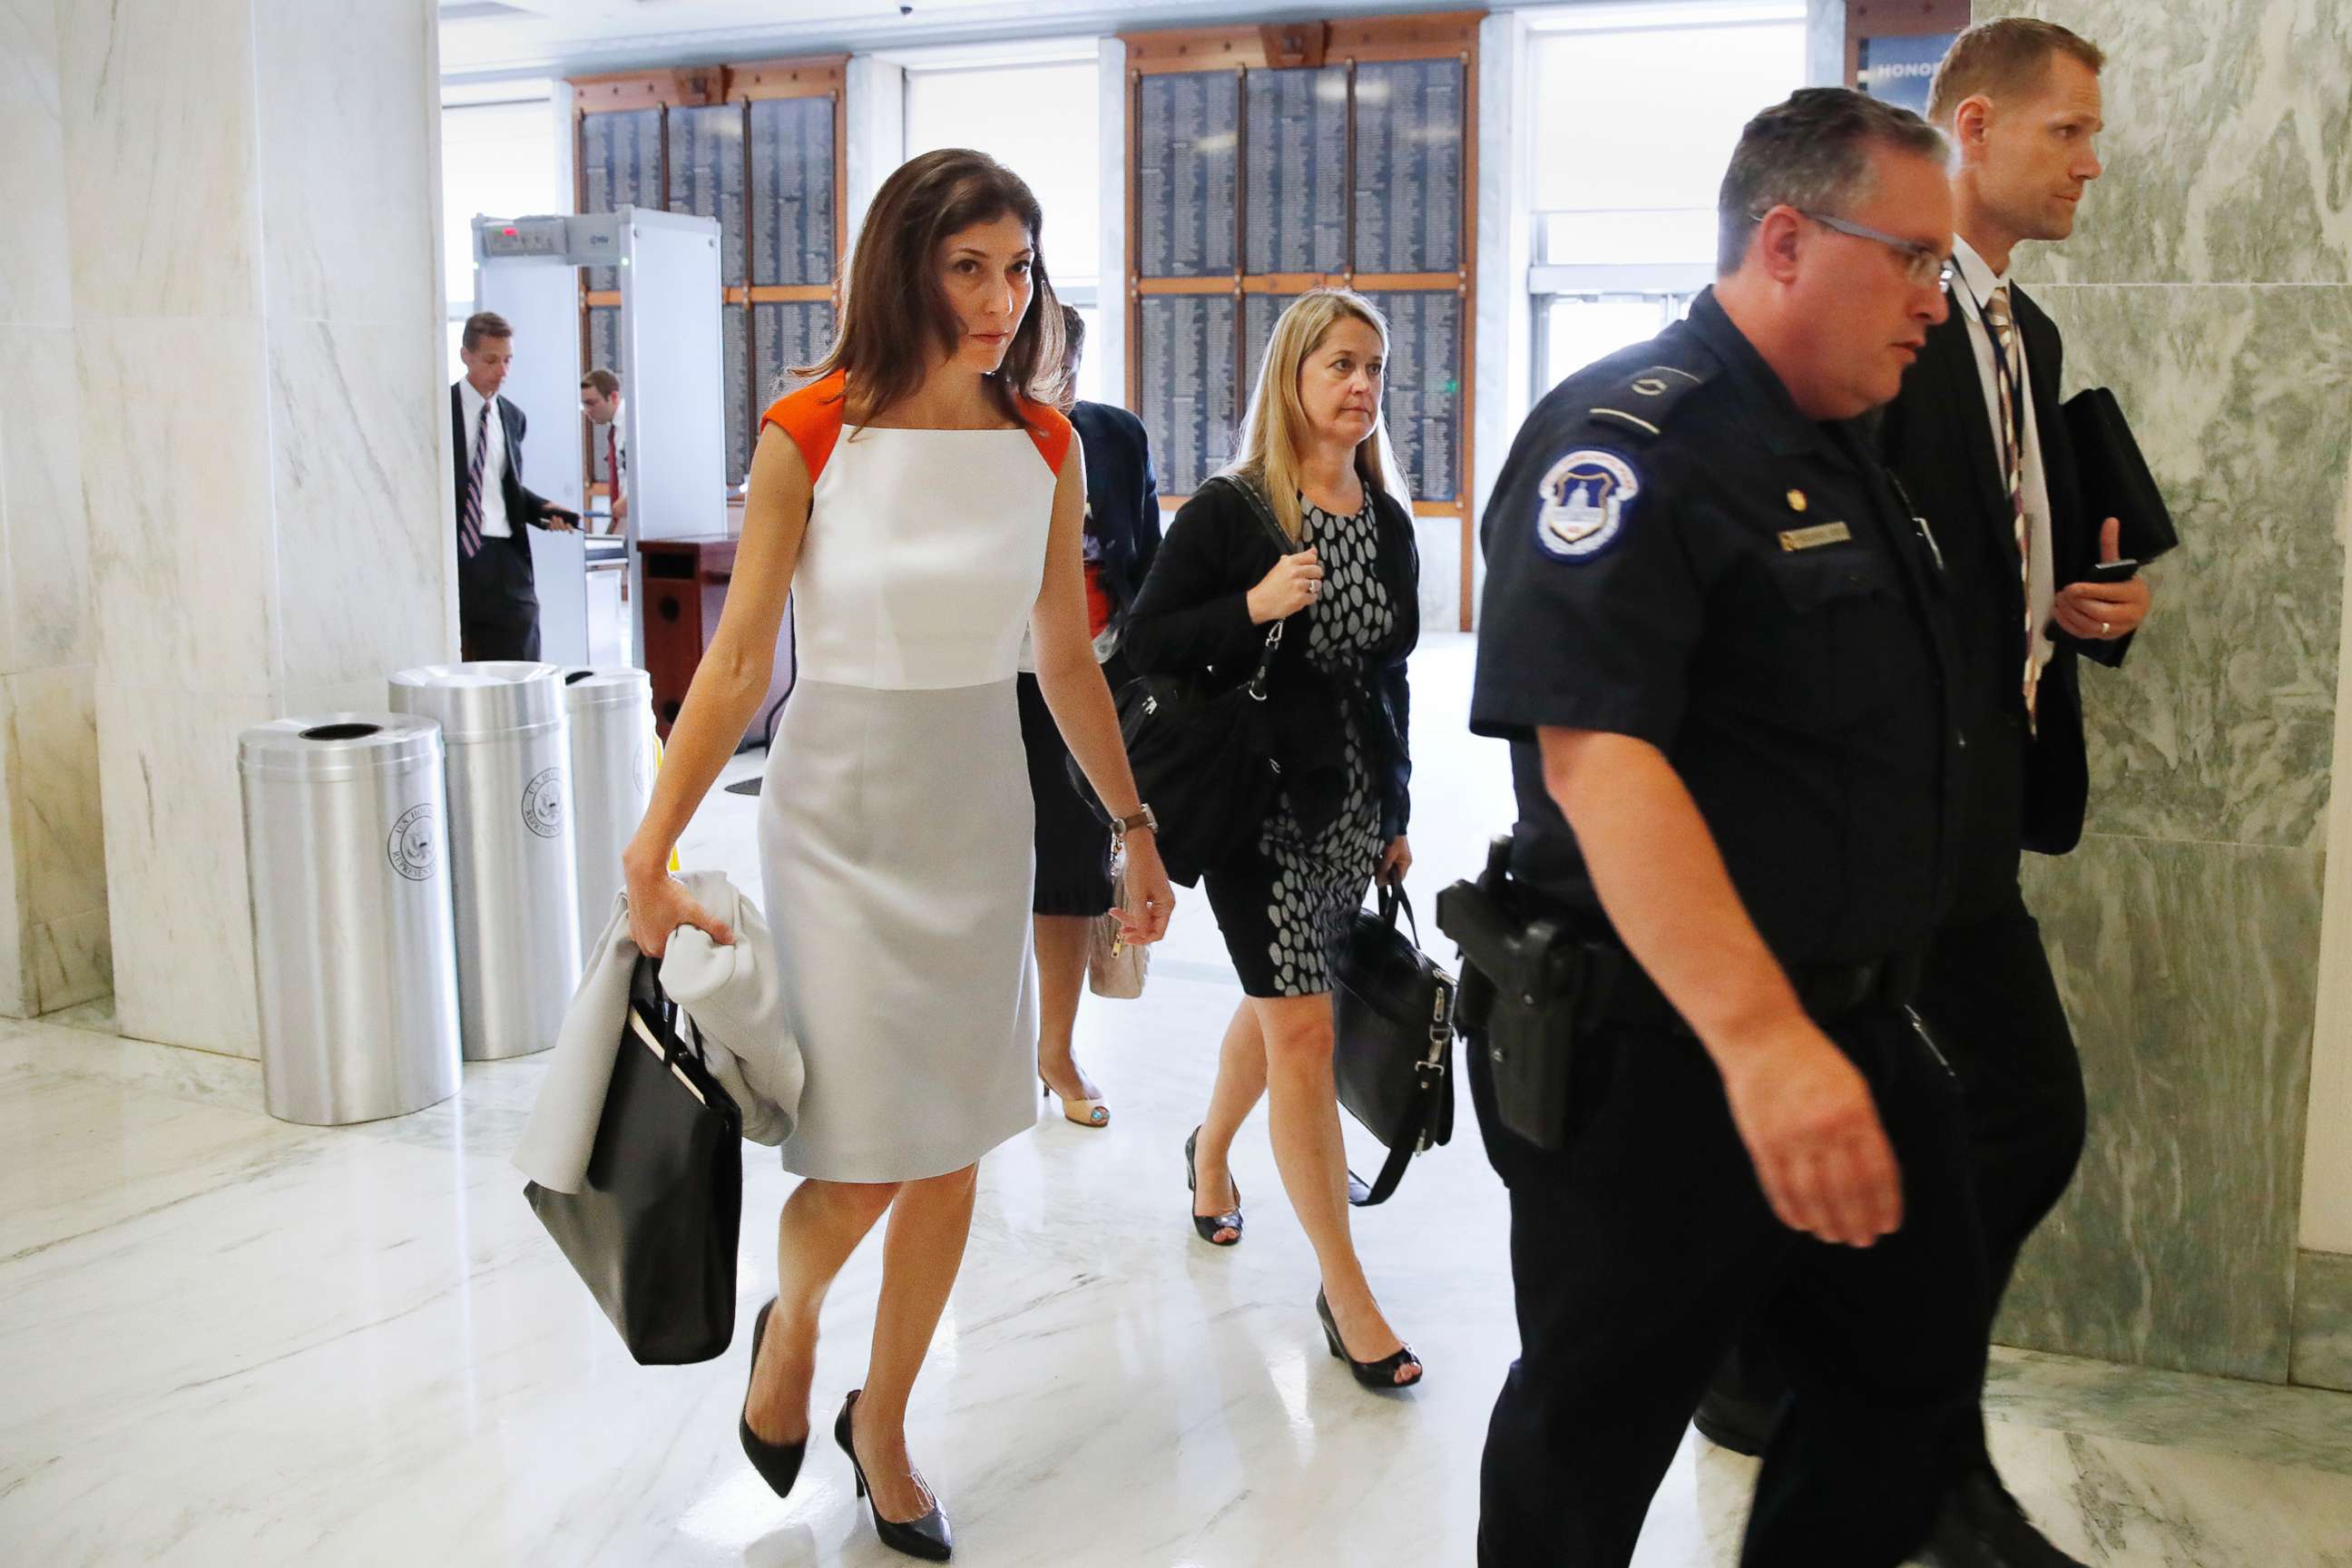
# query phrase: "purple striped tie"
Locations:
[[470, 521]]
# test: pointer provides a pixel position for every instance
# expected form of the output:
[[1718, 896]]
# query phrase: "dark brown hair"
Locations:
[[604, 380], [2007, 55], [484, 324], [894, 313]]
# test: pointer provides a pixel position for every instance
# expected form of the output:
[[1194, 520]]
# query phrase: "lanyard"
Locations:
[[2013, 434]]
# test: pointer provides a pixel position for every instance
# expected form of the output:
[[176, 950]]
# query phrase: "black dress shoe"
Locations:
[[1206, 1225], [779, 1464], [1380, 1373], [1742, 1426], [1980, 1525], [927, 1537]]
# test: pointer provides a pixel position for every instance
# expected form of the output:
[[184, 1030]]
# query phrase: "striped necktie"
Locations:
[[469, 520], [2002, 326]]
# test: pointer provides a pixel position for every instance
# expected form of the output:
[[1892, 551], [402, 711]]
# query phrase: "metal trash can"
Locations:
[[354, 958], [610, 710], [514, 876]]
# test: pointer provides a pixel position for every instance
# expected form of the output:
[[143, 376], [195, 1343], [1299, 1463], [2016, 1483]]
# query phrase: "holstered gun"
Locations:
[[1529, 991]]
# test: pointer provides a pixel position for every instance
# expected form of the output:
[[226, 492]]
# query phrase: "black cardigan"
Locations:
[[1122, 500], [1193, 619]]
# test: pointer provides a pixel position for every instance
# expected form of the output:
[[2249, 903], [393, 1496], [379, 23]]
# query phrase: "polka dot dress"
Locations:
[[1284, 910]]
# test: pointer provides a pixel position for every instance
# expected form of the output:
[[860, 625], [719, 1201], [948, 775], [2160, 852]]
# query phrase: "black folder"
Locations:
[[2116, 480]]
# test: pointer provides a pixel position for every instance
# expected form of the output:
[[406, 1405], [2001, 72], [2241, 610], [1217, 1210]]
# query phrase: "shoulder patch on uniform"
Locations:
[[1644, 401], [1584, 503]]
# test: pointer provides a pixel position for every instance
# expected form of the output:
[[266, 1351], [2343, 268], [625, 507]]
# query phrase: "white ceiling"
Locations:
[[564, 37]]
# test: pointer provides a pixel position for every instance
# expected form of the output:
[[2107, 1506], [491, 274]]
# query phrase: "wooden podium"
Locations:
[[686, 588]]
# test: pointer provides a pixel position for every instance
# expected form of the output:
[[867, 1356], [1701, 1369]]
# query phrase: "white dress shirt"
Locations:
[[1971, 289], [620, 429], [495, 524]]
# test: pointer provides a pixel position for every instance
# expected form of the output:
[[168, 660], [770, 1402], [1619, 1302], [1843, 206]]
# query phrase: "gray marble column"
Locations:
[[2207, 284], [253, 195], [53, 924]]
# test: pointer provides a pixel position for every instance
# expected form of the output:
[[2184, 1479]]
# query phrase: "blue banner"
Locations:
[[1899, 70]]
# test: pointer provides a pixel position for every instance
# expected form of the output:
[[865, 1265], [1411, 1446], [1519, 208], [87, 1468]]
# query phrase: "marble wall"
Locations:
[[54, 939], [2207, 283], [256, 341], [2323, 1320]]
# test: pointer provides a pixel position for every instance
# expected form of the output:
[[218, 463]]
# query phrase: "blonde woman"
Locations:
[[1315, 458]]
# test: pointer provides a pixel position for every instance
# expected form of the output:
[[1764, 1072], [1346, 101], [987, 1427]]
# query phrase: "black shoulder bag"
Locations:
[[1393, 1016], [652, 1233], [1205, 760]]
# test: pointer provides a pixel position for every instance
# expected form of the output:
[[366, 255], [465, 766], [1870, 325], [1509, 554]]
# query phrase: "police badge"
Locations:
[[1583, 503]]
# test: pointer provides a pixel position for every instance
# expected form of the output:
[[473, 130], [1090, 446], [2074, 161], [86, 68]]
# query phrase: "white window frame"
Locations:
[[505, 93], [1086, 294], [949, 59], [1674, 282]]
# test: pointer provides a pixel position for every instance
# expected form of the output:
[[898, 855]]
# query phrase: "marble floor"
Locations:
[[225, 1339]]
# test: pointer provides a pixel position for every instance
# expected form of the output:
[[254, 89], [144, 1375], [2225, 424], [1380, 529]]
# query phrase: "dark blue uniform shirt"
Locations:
[[1677, 553]]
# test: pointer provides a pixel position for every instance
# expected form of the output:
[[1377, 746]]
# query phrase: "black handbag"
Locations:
[[652, 1233], [1204, 759], [1392, 1015]]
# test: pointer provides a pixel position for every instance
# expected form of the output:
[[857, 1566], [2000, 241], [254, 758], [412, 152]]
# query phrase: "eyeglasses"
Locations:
[[1926, 266]]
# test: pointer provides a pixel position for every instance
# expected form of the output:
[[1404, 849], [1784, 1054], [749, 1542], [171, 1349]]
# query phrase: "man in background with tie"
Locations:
[[1979, 441], [600, 399], [497, 605]]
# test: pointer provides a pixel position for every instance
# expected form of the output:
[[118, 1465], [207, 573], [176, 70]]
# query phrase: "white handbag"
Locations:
[[1114, 967]]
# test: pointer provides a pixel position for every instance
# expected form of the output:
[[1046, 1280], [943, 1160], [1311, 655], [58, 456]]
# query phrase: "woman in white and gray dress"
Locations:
[[921, 502]]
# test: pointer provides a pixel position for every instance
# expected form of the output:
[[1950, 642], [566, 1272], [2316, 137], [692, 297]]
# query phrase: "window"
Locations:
[[1580, 328], [1637, 110], [1042, 121], [498, 159]]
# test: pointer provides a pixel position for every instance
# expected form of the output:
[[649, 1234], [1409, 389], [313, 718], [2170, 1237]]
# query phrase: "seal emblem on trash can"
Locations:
[[414, 847], [543, 804]]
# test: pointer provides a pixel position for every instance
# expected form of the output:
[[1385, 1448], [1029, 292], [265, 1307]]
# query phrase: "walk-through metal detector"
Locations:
[[672, 370]]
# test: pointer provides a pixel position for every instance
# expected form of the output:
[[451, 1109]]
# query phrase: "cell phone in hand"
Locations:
[[2114, 571]]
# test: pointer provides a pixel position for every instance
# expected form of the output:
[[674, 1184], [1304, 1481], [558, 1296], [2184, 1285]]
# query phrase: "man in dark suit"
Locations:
[[1979, 442], [497, 605]]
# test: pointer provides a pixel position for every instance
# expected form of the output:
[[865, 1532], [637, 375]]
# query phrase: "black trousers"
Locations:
[[1644, 1248], [1989, 995], [498, 601]]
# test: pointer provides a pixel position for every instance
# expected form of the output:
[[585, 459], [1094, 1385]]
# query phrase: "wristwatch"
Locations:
[[1144, 818]]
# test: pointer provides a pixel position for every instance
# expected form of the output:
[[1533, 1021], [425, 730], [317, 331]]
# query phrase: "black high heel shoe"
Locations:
[[1208, 1224], [779, 1464], [927, 1537], [1380, 1373]]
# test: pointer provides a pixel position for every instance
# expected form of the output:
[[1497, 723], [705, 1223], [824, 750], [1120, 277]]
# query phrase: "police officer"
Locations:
[[2020, 99], [1717, 641]]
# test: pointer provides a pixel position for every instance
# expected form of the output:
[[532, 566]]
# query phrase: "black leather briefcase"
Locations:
[[652, 1233], [1392, 1018]]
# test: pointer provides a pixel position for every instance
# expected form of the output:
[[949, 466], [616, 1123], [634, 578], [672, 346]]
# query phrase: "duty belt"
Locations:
[[1520, 949], [1828, 992]]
